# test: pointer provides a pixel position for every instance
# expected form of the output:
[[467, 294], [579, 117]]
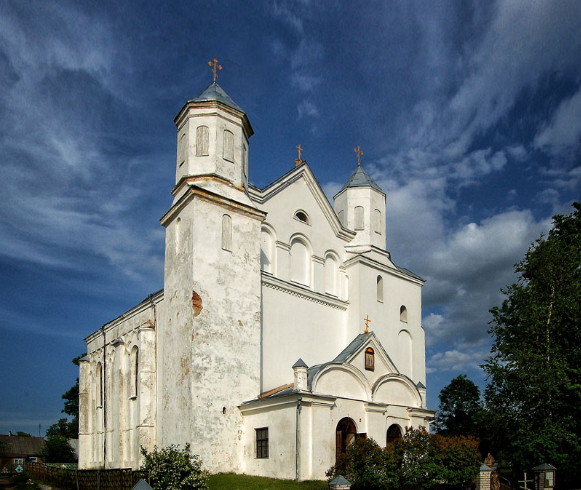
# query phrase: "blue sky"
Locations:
[[469, 114]]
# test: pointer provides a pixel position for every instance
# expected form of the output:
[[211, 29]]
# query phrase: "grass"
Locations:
[[230, 481]]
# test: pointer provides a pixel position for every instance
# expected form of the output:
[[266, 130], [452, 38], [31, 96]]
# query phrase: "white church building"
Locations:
[[283, 331]]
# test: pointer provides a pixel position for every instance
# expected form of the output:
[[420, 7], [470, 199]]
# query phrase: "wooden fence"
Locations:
[[75, 479]]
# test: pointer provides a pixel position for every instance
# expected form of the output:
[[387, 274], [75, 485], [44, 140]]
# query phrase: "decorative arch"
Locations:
[[359, 217], [300, 260], [377, 221], [227, 232], [268, 249], [342, 379], [404, 344], [202, 141], [228, 145], [395, 389], [345, 434]]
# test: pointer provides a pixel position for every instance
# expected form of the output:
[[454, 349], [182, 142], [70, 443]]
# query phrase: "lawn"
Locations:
[[230, 481]]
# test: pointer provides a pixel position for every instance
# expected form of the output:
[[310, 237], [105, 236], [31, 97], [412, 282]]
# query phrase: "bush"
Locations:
[[417, 460], [172, 468]]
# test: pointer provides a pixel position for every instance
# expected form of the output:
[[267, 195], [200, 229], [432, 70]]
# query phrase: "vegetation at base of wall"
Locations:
[[22, 481], [172, 468], [231, 481], [418, 460]]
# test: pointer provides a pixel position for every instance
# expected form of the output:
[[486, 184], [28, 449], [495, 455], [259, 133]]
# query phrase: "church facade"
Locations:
[[283, 331]]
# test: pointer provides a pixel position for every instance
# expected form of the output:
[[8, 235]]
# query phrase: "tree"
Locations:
[[57, 449], [459, 408], [534, 390], [172, 468]]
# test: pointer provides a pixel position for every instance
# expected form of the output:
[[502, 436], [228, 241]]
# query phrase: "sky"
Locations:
[[469, 114]]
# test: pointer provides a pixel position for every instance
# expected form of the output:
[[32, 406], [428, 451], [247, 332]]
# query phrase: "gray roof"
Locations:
[[215, 92], [300, 363], [360, 178]]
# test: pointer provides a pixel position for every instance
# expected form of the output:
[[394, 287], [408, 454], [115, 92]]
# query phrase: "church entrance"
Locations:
[[344, 435], [393, 433]]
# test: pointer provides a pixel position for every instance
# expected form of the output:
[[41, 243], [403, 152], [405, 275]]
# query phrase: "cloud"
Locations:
[[454, 360], [563, 131]]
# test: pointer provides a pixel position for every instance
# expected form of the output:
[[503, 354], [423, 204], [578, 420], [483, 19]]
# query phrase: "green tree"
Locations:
[[57, 449], [534, 390], [172, 468], [459, 408]]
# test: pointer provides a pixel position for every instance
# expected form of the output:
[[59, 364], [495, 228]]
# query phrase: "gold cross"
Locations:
[[359, 152], [366, 320], [215, 67], [299, 150]]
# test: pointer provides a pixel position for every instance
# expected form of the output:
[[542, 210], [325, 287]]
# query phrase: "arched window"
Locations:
[[226, 232], [244, 165], [344, 435], [134, 366], [202, 141], [393, 434], [228, 145], [403, 314], [380, 289], [331, 275], [404, 350], [300, 262], [359, 217], [99, 385], [369, 359], [302, 216], [182, 150], [377, 221]]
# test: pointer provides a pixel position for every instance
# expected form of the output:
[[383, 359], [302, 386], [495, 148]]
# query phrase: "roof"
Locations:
[[360, 178], [215, 92], [22, 445]]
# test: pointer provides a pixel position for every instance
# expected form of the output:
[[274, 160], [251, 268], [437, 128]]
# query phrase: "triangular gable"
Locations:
[[304, 172]]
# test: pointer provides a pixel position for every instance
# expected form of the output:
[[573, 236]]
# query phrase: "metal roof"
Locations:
[[215, 92], [360, 178]]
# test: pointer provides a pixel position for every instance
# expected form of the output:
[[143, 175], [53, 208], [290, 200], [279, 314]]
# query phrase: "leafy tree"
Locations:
[[63, 428], [417, 460], [534, 391], [172, 468], [459, 408], [57, 449]]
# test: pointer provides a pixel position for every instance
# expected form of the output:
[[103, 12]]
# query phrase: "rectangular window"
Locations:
[[33, 459], [262, 442], [18, 461]]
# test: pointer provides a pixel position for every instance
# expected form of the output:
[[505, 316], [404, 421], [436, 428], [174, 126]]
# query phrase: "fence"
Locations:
[[75, 479]]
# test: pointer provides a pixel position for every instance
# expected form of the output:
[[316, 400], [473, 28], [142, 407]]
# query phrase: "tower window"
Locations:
[[228, 145], [134, 372], [369, 359], [403, 313], [380, 289], [262, 443], [202, 141], [359, 218], [377, 221]]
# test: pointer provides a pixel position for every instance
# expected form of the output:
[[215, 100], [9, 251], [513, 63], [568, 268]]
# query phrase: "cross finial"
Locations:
[[366, 320], [215, 67], [299, 159], [359, 152]]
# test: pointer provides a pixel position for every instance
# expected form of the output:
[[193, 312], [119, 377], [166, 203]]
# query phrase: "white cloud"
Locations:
[[563, 131], [455, 360]]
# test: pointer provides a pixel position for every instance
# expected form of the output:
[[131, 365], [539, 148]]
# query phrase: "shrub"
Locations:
[[172, 468]]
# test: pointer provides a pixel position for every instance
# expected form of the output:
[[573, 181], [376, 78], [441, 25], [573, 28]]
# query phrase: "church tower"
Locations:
[[209, 328], [360, 206]]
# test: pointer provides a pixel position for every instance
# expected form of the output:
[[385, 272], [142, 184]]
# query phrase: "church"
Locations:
[[283, 331]]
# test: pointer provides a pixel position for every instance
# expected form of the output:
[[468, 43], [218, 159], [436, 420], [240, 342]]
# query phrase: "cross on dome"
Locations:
[[215, 67], [359, 152]]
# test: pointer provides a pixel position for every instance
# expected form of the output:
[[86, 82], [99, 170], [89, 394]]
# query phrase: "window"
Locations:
[[244, 165], [302, 216], [134, 372], [262, 443], [226, 232], [99, 386], [267, 250], [369, 359], [33, 459], [202, 141], [359, 217], [228, 145], [18, 461], [377, 221], [393, 434], [380, 289], [182, 149], [300, 262], [403, 314], [331, 275]]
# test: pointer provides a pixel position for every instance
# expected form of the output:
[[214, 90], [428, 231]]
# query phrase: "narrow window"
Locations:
[[380, 289], [226, 232], [244, 165], [359, 217], [228, 145], [182, 150], [302, 216], [202, 141], [331, 275], [377, 221], [369, 359], [99, 386], [403, 314], [300, 263], [134, 372], [262, 443]]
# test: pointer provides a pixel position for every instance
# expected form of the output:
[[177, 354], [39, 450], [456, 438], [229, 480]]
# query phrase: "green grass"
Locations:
[[230, 481]]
